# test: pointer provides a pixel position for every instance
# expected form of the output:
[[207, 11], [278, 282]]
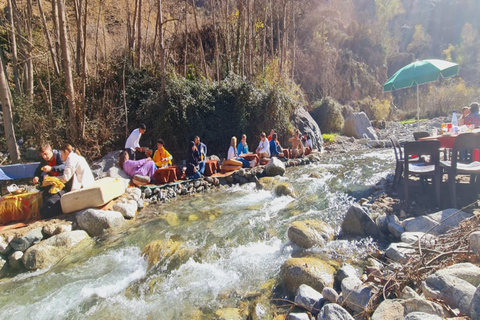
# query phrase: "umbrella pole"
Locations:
[[418, 105]]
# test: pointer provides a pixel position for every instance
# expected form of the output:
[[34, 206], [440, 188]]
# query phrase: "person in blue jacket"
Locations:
[[51, 163]]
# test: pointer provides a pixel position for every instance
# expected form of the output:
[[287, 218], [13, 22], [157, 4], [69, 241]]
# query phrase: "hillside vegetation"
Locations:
[[219, 68]]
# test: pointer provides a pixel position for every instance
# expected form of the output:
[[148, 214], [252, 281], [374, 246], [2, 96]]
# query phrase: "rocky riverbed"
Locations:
[[312, 285]]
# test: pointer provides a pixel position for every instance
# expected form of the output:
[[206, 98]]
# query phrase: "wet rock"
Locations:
[[475, 305], [434, 220], [392, 309], [334, 311], [127, 209], [25, 242], [96, 222], [196, 184], [284, 189], [52, 250], [456, 293], [160, 250], [397, 253], [330, 294], [345, 271], [358, 223], [15, 260], [425, 238], [308, 297], [228, 314], [422, 316], [200, 189], [355, 294], [5, 248], [229, 179], [275, 167], [474, 242], [148, 192], [308, 270], [171, 218], [309, 233], [358, 125], [298, 316]]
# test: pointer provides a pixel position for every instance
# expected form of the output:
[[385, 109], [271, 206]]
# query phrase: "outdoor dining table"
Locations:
[[165, 175], [211, 167], [448, 140]]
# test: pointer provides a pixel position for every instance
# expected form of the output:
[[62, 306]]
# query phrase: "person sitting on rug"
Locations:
[[297, 146], [232, 154], [202, 150], [132, 145], [193, 161], [76, 170], [145, 167], [473, 117], [274, 147], [51, 163], [270, 136], [263, 149], [242, 147], [162, 157]]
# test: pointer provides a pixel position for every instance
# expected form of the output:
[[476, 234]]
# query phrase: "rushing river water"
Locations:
[[234, 241]]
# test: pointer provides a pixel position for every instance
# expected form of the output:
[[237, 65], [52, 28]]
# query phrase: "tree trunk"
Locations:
[[145, 44], [78, 17], [129, 30], [294, 40], [7, 117], [264, 39], [49, 40], [227, 40], [56, 31], [162, 48], [186, 41], [272, 52], [16, 75], [213, 4], [139, 36], [29, 80], [249, 41], [70, 92], [84, 73], [96, 39], [202, 52]]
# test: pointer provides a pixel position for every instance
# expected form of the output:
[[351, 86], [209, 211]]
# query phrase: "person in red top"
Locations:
[[270, 135], [51, 163]]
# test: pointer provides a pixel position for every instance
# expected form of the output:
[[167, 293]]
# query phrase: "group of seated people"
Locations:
[[470, 115]]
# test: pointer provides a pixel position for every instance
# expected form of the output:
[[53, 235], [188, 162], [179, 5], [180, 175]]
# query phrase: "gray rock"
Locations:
[[15, 260], [200, 189], [147, 192], [62, 229], [140, 204], [465, 271], [307, 270], [422, 316], [395, 229], [475, 305], [241, 172], [307, 296], [425, 238], [298, 316], [474, 242], [23, 243], [346, 271], [397, 253], [116, 172], [5, 248], [3, 264], [49, 229], [356, 295], [409, 293], [358, 223], [52, 250], [127, 209], [101, 166], [433, 224], [309, 233], [96, 222], [275, 167], [330, 294], [302, 120], [456, 293], [358, 125], [334, 311], [394, 309], [196, 184]]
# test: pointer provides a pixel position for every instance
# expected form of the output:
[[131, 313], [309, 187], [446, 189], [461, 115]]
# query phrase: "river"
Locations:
[[232, 243]]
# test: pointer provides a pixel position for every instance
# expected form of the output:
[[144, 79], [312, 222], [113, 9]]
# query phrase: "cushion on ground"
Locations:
[[102, 192]]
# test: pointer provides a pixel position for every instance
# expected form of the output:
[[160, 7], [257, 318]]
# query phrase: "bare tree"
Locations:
[[7, 117], [139, 36], [49, 39], [185, 51], [162, 47], [213, 4], [202, 52], [28, 57], [16, 75], [70, 91]]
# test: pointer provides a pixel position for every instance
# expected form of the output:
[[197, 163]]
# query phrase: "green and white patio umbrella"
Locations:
[[420, 72]]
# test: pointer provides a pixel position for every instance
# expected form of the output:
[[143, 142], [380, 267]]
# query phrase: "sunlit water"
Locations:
[[236, 239]]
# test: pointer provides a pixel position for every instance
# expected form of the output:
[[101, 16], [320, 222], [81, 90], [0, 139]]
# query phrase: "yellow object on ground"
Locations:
[[56, 184], [20, 207]]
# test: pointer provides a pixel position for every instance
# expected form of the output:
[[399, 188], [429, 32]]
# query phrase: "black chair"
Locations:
[[454, 167], [399, 162], [421, 169], [420, 134]]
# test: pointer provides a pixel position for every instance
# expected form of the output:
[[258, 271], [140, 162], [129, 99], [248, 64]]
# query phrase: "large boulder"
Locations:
[[308, 297], [96, 222], [15, 260], [475, 305], [101, 166], [474, 242], [358, 125], [284, 189], [357, 222], [393, 309], [308, 270], [356, 295], [128, 208], [436, 223], [52, 250], [302, 120], [25, 242], [309, 233], [455, 292], [466, 271], [275, 167], [333, 311]]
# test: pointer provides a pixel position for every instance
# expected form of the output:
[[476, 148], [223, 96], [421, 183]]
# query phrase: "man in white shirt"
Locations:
[[132, 146], [263, 149]]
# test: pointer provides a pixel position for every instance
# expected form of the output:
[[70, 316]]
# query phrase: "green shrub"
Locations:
[[328, 114]]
